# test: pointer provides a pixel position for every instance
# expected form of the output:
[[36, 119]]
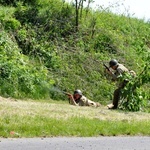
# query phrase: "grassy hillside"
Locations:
[[42, 52]]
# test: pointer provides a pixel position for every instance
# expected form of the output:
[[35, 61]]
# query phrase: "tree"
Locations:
[[79, 4]]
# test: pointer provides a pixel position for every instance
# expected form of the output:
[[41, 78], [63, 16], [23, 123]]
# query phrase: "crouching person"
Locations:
[[119, 70]]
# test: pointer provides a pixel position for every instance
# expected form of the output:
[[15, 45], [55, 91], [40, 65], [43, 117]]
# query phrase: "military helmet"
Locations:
[[113, 62], [78, 92]]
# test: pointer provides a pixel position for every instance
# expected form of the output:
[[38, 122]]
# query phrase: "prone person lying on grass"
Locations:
[[78, 99]]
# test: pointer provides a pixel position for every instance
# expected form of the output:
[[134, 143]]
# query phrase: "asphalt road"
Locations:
[[77, 143]]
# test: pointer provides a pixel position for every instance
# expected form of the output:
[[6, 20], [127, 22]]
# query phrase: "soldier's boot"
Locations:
[[110, 106]]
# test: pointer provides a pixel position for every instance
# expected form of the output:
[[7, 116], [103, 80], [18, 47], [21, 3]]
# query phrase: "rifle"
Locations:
[[106, 66], [55, 89], [66, 93]]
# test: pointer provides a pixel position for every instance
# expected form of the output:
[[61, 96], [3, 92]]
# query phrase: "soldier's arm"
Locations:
[[72, 100], [117, 74]]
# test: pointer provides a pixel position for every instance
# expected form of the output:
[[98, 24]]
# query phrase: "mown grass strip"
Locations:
[[38, 126]]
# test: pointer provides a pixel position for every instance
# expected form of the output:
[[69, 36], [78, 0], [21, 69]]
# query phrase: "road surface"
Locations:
[[76, 143]]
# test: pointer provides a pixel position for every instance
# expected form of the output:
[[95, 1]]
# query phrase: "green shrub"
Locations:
[[15, 2], [18, 75], [133, 99], [11, 24], [105, 43], [26, 14]]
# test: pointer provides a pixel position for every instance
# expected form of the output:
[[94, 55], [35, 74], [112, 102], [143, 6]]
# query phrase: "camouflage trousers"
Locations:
[[117, 93]]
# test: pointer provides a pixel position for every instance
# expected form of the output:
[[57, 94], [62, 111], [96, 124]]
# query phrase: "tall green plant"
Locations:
[[19, 76], [133, 99]]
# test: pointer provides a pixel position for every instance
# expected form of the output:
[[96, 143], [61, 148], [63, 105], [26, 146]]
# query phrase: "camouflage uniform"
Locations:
[[83, 101], [119, 72]]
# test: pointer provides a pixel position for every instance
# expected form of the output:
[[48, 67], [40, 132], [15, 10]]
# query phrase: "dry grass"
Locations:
[[62, 110], [28, 118]]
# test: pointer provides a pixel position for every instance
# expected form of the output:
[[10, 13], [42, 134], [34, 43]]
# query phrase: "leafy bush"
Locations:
[[18, 76], [26, 14], [15, 2], [105, 43], [26, 39], [133, 99], [11, 24]]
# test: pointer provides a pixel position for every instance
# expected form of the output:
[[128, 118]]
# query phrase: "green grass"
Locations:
[[46, 127], [46, 119]]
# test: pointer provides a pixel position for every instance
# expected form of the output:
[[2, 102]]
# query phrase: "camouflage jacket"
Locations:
[[83, 101], [121, 69]]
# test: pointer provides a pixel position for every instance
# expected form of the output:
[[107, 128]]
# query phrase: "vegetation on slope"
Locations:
[[46, 48]]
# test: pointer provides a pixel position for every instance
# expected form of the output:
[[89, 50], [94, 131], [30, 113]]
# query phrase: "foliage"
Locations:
[[105, 43], [18, 76], [15, 2], [41, 49], [23, 13], [11, 23], [133, 98]]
